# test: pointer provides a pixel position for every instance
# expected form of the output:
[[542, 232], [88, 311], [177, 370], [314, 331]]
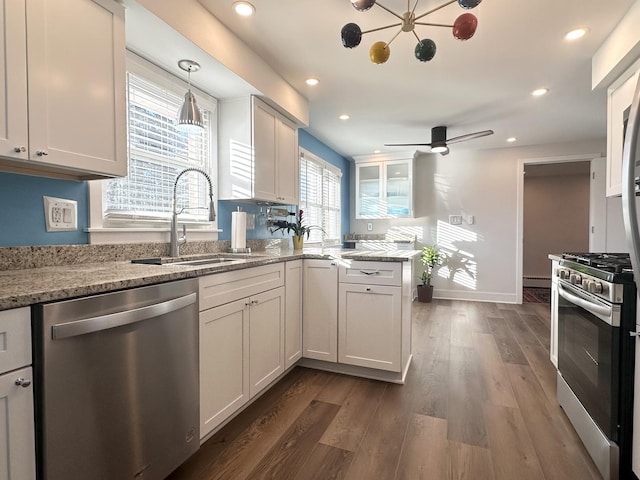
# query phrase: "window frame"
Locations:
[[130, 229]]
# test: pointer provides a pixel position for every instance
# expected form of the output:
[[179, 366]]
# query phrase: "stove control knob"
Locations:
[[563, 274], [595, 287], [575, 278], [586, 284]]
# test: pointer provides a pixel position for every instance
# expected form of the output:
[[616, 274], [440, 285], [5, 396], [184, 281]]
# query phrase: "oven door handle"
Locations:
[[603, 312]]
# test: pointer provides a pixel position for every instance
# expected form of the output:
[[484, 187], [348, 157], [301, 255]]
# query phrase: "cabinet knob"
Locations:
[[368, 289], [22, 382], [20, 149], [42, 153]]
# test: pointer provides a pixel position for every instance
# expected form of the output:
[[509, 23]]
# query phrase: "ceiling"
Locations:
[[479, 84]]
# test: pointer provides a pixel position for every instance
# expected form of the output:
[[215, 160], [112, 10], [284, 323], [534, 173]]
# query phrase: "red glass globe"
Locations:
[[465, 26]]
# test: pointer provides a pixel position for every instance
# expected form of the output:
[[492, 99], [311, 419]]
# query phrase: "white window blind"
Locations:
[[320, 198], [158, 152]]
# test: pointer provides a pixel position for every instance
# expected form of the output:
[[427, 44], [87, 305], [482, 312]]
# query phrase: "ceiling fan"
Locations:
[[439, 141]]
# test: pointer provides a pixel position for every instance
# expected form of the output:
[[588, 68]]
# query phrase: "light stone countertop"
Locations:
[[19, 288]]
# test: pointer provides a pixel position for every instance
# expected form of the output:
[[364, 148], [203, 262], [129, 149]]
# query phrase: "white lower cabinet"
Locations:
[[224, 363], [320, 310], [241, 339], [368, 322], [293, 313], [17, 433], [266, 338]]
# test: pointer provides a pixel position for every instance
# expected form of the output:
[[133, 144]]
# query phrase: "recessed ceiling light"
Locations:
[[244, 9], [344, 117], [576, 34], [540, 92], [511, 139], [377, 151], [312, 81]]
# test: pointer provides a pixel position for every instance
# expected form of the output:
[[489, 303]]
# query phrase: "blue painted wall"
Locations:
[[22, 212], [315, 146]]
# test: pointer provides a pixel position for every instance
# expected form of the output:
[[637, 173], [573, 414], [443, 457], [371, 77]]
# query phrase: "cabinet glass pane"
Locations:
[[369, 190], [398, 189]]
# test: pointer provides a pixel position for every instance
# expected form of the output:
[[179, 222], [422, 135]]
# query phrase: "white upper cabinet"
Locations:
[[384, 187], [63, 95], [620, 97], [258, 157]]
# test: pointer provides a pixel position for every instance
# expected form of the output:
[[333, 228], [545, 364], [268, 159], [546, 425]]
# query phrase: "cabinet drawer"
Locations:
[[372, 273], [15, 339], [222, 288]]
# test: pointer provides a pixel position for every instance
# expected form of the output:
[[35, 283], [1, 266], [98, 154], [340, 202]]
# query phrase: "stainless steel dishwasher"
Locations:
[[116, 383]]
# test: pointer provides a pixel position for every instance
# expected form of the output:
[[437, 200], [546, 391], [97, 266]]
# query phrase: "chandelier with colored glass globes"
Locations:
[[463, 29]]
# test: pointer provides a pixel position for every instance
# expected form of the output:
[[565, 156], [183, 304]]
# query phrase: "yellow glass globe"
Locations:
[[379, 52]]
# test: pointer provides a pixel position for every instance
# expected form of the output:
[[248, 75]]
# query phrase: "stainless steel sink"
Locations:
[[203, 261]]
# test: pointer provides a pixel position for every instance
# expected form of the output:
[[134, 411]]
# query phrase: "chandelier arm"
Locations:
[[381, 28], [415, 5], [434, 24], [390, 11], [436, 9], [417, 37], [394, 37]]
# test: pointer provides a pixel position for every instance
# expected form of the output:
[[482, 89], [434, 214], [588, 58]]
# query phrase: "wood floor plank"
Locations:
[[507, 345], [432, 391], [460, 329], [539, 327], [467, 392], [491, 309], [350, 424], [337, 389], [521, 331], [325, 463], [440, 322], [467, 462], [477, 319], [287, 456], [493, 372], [558, 454], [424, 453], [512, 451], [544, 370], [246, 450]]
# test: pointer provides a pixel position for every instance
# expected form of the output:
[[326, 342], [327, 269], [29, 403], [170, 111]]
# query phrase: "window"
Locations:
[[320, 197], [158, 153]]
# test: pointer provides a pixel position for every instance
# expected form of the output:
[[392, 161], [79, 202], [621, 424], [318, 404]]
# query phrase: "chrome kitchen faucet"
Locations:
[[175, 241]]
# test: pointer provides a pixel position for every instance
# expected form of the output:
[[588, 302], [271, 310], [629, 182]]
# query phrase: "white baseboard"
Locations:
[[475, 296]]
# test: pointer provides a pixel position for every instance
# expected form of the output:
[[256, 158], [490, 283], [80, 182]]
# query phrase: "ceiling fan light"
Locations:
[[425, 50], [351, 35], [439, 149], [465, 26]]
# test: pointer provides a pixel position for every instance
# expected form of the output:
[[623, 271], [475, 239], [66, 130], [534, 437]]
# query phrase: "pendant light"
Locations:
[[189, 116]]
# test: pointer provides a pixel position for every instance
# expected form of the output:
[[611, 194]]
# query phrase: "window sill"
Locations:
[[146, 234]]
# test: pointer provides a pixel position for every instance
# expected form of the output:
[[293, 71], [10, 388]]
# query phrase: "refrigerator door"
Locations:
[[630, 162]]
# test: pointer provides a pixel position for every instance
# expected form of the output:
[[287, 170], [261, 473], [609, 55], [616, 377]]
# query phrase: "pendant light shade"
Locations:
[[189, 116]]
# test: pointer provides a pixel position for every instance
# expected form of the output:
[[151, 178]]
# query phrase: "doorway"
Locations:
[[553, 206]]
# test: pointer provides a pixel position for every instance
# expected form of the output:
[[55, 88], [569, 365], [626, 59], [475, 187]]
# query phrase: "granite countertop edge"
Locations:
[[25, 287]]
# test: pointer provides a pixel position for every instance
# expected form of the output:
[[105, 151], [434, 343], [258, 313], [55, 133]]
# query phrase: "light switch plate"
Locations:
[[60, 215]]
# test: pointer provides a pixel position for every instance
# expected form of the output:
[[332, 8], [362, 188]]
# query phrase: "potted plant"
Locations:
[[431, 258], [299, 230]]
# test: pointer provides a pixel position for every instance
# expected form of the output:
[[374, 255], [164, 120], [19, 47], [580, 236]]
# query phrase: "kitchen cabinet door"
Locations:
[[288, 163], [266, 338], [369, 320], [293, 313], [264, 145], [76, 85], [320, 310], [17, 443], [384, 188], [224, 363]]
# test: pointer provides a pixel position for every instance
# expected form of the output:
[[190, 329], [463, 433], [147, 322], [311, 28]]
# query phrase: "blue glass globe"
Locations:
[[469, 4]]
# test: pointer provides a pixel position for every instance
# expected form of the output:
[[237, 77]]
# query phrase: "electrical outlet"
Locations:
[[369, 227], [455, 219], [60, 215]]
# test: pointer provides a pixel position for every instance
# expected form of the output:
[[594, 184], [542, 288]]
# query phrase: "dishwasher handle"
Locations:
[[118, 319]]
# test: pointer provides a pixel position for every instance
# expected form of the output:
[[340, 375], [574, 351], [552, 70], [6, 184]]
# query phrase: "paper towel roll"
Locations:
[[238, 230]]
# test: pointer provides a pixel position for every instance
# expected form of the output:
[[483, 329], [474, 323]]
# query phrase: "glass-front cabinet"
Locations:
[[384, 188]]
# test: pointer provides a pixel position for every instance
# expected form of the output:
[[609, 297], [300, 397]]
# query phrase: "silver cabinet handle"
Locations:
[[369, 273], [22, 382], [118, 319], [20, 149], [634, 334], [42, 153]]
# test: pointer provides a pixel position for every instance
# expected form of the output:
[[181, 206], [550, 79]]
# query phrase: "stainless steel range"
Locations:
[[596, 354]]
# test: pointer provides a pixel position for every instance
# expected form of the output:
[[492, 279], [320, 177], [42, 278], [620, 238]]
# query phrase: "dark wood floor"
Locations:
[[479, 403]]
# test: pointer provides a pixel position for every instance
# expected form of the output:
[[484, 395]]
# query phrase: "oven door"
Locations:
[[589, 352]]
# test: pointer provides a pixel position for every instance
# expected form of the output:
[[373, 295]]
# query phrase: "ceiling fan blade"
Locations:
[[407, 144], [469, 136]]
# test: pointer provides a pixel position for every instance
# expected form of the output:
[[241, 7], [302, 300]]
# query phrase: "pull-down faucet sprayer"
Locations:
[[175, 242]]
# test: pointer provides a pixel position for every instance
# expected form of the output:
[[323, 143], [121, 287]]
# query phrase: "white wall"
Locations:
[[482, 184]]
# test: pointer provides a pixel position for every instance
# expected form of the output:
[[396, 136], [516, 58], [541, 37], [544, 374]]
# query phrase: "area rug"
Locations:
[[536, 295]]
